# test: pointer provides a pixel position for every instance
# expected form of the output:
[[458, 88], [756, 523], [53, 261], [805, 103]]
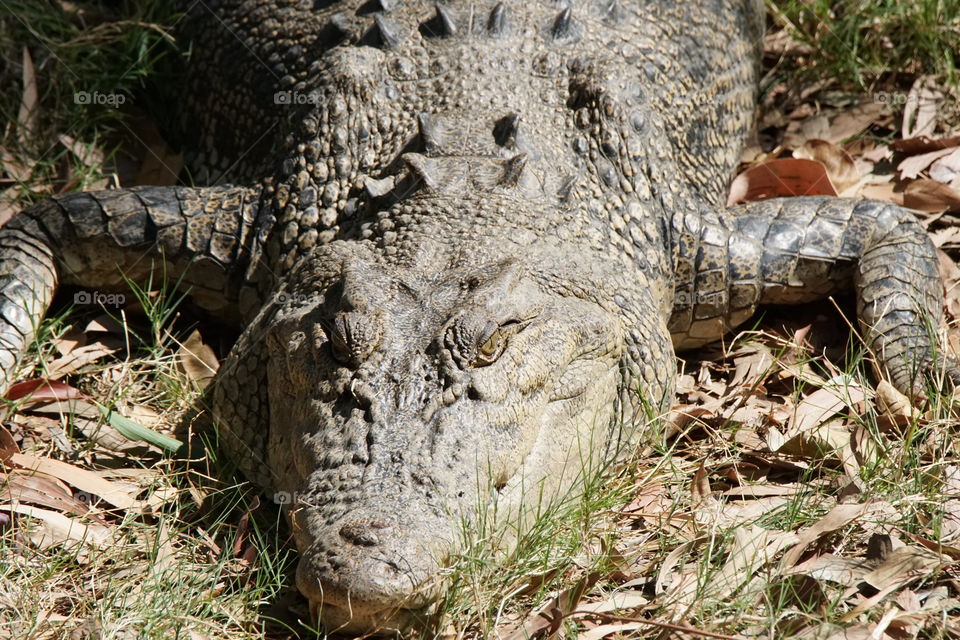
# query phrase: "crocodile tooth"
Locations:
[[448, 27], [497, 22], [388, 32], [505, 130], [513, 169], [431, 133], [423, 168], [561, 25]]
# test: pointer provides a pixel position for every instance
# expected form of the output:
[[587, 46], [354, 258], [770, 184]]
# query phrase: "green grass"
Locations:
[[859, 42], [90, 67]]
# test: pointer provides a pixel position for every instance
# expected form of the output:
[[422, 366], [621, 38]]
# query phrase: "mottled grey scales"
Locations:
[[463, 241]]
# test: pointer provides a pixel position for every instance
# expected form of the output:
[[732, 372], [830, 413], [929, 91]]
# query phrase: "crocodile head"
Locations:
[[405, 405]]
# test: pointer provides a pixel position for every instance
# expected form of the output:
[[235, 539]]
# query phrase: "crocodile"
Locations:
[[463, 242]]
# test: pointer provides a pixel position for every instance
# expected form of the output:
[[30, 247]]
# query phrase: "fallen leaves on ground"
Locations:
[[773, 503], [768, 500]]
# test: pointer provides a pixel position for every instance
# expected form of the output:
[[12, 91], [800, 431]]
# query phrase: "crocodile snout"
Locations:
[[371, 575]]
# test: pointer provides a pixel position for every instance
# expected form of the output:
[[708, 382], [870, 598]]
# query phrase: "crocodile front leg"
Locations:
[[195, 236], [795, 250]]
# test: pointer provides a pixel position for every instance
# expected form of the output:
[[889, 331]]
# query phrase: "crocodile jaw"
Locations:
[[381, 585]]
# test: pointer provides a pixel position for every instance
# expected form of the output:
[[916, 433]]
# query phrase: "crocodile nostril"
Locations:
[[363, 534]]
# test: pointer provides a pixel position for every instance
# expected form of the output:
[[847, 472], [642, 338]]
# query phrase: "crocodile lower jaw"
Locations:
[[361, 621]]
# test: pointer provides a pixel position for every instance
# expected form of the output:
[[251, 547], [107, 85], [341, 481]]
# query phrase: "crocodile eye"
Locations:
[[490, 350], [338, 348]]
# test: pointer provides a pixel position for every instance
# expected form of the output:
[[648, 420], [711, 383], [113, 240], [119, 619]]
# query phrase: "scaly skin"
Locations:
[[472, 237]]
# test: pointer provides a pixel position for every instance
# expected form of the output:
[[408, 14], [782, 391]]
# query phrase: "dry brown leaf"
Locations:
[[103, 323], [76, 407], [752, 548], [853, 120], [908, 601], [618, 601], [548, 619], [70, 340], [947, 168], [79, 358], [739, 512], [664, 576], [39, 395], [58, 529], [923, 144], [700, 491], [930, 196], [950, 527], [883, 191], [809, 127], [606, 630], [902, 566], [782, 43], [650, 499], [784, 177], [42, 390], [920, 111], [145, 415], [832, 440], [198, 360], [837, 518], [877, 153], [797, 592], [848, 572], [894, 404], [685, 383], [950, 276], [763, 491], [910, 167], [823, 404], [8, 444], [858, 632], [161, 164], [89, 155], [838, 163], [27, 116], [682, 416], [946, 238], [18, 172], [8, 208], [41, 491], [116, 493], [752, 367]]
